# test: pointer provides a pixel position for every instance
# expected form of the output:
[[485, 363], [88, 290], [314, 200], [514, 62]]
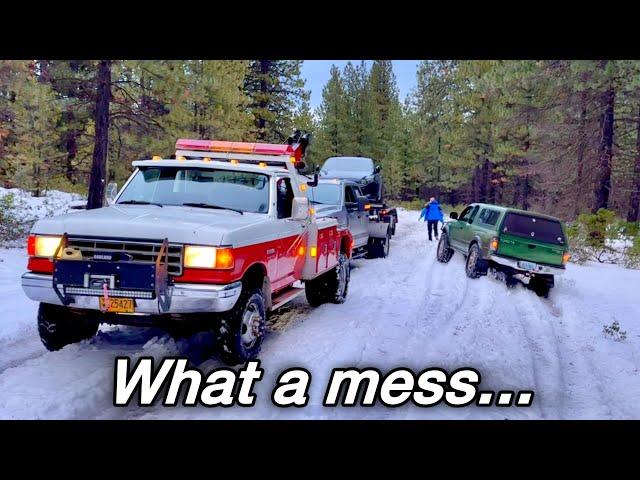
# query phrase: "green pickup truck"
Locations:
[[514, 245]]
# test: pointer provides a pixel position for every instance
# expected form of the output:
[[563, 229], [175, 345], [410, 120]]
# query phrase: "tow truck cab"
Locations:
[[223, 232]]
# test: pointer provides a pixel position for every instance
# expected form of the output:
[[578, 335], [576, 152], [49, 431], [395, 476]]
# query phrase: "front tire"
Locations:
[[444, 252], [331, 286], [60, 326], [242, 328]]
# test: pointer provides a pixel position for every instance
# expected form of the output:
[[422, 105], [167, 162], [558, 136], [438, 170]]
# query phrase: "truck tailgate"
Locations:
[[530, 249]]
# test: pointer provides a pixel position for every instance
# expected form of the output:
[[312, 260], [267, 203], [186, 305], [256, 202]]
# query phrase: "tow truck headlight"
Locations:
[[43, 245], [196, 256]]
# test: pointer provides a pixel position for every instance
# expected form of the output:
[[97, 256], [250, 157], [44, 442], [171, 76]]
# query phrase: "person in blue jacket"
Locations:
[[432, 214]]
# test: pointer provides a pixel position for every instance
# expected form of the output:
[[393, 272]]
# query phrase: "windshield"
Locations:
[[245, 191], [355, 164], [542, 229], [328, 193]]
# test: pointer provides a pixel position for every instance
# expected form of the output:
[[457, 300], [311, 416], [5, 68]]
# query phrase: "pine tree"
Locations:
[[33, 154], [277, 92]]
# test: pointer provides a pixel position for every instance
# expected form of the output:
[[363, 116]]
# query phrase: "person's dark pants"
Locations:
[[432, 224]]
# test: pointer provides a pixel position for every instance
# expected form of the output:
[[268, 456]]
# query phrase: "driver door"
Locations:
[[358, 221], [458, 229], [290, 231]]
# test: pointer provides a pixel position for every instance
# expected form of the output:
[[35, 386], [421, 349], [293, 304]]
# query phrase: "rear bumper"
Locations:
[[512, 263], [182, 297]]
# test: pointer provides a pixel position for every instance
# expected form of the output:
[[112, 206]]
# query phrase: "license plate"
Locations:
[[117, 305], [528, 265]]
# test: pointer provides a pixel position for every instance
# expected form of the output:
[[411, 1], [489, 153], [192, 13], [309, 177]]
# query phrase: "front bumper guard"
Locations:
[[179, 298]]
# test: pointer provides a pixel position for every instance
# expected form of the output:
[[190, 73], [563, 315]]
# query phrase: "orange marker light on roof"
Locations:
[[156, 157], [206, 159], [233, 161], [181, 158], [262, 165], [313, 251]]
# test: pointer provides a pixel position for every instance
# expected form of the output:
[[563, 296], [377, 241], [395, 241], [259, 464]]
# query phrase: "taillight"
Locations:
[[565, 257], [31, 246]]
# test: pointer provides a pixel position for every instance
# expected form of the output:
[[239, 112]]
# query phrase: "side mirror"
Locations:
[[454, 215], [111, 192], [377, 169], [362, 203], [300, 208]]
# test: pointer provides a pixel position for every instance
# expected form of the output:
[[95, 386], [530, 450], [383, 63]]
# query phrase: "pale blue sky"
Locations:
[[316, 73]]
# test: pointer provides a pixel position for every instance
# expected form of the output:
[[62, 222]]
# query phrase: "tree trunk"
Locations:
[[582, 147], [101, 144], [634, 207], [71, 145], [605, 152], [265, 66]]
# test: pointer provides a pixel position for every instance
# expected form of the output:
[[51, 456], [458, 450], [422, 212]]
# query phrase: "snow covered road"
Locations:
[[420, 314]]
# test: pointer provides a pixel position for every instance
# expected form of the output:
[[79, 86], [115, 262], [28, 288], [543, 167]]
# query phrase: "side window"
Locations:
[[473, 214], [350, 196], [464, 216], [482, 218], [284, 197], [492, 217]]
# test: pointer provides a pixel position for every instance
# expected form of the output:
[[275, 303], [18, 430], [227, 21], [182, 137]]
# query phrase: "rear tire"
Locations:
[[379, 247], [473, 266], [59, 326], [540, 287], [444, 252], [331, 286], [242, 328]]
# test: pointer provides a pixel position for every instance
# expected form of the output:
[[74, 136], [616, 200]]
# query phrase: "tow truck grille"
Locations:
[[136, 251]]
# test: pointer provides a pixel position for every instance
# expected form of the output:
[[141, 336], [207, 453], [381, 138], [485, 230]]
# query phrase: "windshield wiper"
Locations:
[[209, 205], [317, 202], [139, 202]]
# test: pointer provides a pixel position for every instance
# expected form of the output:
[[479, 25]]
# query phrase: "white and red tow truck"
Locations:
[[223, 233]]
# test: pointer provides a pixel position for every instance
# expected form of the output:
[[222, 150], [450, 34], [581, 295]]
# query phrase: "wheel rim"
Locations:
[[471, 261], [441, 247], [342, 278], [386, 247], [251, 326]]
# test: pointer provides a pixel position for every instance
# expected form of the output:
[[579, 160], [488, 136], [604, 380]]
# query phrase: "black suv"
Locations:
[[359, 169]]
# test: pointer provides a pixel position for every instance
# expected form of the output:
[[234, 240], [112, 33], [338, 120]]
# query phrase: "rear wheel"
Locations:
[[474, 267], [379, 247], [541, 287], [242, 329], [59, 326], [331, 286], [444, 252]]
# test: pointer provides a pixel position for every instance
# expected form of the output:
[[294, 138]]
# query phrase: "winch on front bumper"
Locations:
[[82, 283]]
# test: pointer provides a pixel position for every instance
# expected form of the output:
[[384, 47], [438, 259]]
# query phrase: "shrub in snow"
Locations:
[[19, 210], [604, 238], [613, 331]]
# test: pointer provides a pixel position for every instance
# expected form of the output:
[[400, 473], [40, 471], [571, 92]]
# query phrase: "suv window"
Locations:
[[542, 229], [488, 217]]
